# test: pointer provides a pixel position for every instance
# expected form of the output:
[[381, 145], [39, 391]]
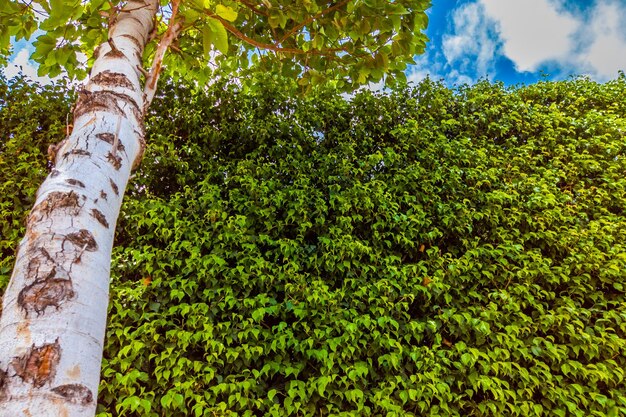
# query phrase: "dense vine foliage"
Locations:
[[31, 118], [425, 252]]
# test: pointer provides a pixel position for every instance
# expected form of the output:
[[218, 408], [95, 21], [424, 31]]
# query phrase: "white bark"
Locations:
[[54, 310]]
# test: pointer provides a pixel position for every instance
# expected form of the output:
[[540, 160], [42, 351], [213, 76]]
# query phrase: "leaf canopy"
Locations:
[[349, 42]]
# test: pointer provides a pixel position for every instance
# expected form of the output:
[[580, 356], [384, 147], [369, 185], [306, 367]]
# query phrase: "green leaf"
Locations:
[[56, 7], [217, 36], [271, 394], [207, 41], [322, 382], [226, 13]]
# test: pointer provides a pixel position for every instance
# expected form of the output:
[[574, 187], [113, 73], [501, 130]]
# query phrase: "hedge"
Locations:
[[423, 252]]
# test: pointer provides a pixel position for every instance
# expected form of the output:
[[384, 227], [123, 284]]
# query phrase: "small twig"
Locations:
[[112, 45], [143, 71], [78, 258], [254, 9], [68, 127]]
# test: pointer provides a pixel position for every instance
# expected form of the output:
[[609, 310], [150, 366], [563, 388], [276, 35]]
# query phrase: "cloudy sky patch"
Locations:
[[606, 53], [523, 41], [532, 32], [472, 44]]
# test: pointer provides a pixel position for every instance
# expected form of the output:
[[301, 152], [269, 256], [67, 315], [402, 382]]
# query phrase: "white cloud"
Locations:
[[606, 53], [472, 45], [535, 35], [533, 32], [21, 63]]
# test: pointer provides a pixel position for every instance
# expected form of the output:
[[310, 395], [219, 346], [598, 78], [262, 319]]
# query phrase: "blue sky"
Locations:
[[523, 41], [514, 41]]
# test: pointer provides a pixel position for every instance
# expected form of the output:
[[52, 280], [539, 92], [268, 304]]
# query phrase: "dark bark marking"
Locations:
[[54, 173], [4, 386], [79, 152], [98, 215], [96, 53], [74, 393], [110, 139], [53, 150], [37, 261], [44, 293], [86, 103], [106, 101], [83, 239], [38, 366], [115, 53], [103, 195], [133, 40], [72, 181], [142, 147], [136, 20], [116, 190], [114, 160], [56, 200], [112, 79]]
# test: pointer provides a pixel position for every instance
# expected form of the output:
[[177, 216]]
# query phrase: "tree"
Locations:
[[54, 309]]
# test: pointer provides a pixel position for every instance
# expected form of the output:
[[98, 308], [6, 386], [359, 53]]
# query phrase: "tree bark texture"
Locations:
[[54, 310]]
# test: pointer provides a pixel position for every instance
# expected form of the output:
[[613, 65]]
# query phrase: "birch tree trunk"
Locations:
[[54, 310]]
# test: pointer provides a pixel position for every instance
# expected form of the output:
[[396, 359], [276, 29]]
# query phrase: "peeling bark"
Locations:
[[56, 200], [83, 239], [53, 321], [109, 101], [4, 382], [49, 292], [112, 79], [75, 393], [39, 365], [114, 160]]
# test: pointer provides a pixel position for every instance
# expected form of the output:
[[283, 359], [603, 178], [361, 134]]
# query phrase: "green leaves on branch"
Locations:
[[16, 19], [67, 28], [214, 35], [347, 42]]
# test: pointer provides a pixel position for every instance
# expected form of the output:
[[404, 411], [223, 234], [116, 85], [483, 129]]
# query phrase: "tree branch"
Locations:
[[170, 34], [269, 46]]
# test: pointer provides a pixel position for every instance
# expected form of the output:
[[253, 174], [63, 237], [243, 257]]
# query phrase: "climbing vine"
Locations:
[[424, 252]]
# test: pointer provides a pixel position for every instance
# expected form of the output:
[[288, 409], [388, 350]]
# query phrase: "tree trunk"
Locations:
[[54, 310]]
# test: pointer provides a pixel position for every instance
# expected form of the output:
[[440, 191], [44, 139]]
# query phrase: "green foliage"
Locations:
[[31, 119], [425, 252], [348, 42]]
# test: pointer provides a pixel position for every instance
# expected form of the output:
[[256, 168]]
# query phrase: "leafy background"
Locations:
[[423, 252]]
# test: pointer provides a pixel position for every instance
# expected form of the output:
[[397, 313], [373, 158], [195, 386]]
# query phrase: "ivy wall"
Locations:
[[427, 252]]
